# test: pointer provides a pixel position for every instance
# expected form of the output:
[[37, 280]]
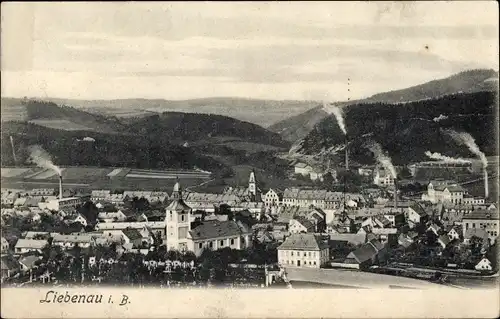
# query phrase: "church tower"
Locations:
[[177, 221], [252, 186]]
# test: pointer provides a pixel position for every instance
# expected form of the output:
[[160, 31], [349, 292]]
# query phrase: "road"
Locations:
[[355, 279]]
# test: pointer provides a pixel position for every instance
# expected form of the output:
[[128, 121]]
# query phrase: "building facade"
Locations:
[[303, 250]]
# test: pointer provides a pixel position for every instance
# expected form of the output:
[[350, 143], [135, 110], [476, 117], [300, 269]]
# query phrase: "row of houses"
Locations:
[[311, 197]]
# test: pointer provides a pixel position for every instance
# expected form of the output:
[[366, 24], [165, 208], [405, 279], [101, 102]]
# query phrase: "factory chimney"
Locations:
[[346, 155], [60, 187], [486, 191], [395, 194], [13, 150]]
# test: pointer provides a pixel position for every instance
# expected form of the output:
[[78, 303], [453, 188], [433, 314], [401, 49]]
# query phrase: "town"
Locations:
[[248, 236]]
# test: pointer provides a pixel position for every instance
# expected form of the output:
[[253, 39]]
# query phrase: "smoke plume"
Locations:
[[447, 159], [467, 140], [381, 157], [440, 117], [338, 113], [42, 159]]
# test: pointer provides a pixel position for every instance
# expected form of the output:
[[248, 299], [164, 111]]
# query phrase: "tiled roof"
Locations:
[[418, 209], [9, 263], [355, 239], [217, 229], [363, 253], [304, 222], [475, 232], [303, 242], [488, 214], [132, 233], [31, 243]]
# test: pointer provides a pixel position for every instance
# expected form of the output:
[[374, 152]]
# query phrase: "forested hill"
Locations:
[[178, 127], [58, 116], [464, 82], [408, 130], [482, 80], [106, 150]]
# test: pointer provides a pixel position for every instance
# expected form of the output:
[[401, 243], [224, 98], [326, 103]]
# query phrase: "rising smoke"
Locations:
[[42, 159], [440, 117], [381, 157], [447, 159], [467, 140], [338, 113]]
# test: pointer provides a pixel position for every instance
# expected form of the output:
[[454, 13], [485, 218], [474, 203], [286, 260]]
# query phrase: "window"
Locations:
[[292, 253], [182, 217], [305, 254], [221, 243], [314, 263], [232, 241], [211, 244], [309, 254], [314, 254], [200, 245]]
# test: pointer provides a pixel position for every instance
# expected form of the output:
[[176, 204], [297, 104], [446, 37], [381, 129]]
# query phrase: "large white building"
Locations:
[[444, 191], [383, 178], [486, 219], [303, 250], [273, 198]]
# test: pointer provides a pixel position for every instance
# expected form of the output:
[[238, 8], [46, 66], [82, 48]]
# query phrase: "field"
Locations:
[[61, 124], [101, 178]]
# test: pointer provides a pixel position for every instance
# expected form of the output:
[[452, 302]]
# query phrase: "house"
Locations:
[[4, 246], [300, 225], [290, 196], [484, 265], [471, 200], [303, 169], [216, 235], [454, 233], [28, 262], [26, 245], [487, 219], [405, 240], [9, 266], [135, 237], [479, 233], [109, 217], [366, 255], [385, 235], [353, 239], [303, 250], [273, 197], [434, 228], [444, 241], [157, 228], [81, 219], [416, 214], [383, 178], [69, 241]]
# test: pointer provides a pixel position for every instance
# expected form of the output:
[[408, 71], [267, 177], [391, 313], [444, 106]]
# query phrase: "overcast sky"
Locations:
[[256, 50]]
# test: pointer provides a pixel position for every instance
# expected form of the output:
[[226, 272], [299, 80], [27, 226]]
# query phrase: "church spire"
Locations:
[[177, 191]]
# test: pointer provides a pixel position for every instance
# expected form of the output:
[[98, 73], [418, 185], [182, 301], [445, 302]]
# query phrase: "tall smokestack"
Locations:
[[13, 149], [486, 191], [395, 194], [60, 187], [346, 155]]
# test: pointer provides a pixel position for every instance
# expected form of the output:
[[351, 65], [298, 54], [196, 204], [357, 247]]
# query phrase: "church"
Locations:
[[207, 234]]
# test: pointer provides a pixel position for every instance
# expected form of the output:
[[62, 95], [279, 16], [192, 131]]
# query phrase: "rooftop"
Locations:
[[217, 229], [303, 242]]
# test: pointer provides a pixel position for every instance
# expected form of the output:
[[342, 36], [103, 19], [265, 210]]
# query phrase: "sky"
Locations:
[[268, 50]]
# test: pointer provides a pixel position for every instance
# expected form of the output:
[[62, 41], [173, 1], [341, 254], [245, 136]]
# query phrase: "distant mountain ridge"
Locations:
[[297, 127]]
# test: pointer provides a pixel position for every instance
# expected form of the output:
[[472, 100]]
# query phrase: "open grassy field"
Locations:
[[61, 124], [98, 178]]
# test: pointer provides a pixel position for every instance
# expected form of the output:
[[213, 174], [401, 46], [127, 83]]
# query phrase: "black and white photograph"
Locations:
[[249, 145]]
